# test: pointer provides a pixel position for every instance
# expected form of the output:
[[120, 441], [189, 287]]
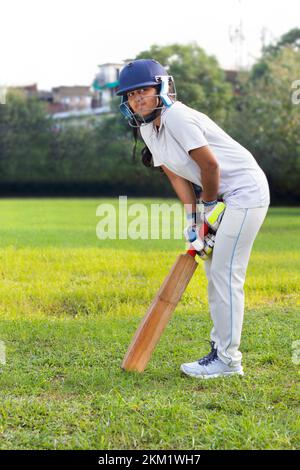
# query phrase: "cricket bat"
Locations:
[[159, 312]]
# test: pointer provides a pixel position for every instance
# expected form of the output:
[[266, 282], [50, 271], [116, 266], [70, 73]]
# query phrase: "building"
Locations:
[[71, 98], [29, 91], [106, 83]]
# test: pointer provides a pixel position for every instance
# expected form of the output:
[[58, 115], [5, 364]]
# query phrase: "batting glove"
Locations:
[[195, 231], [213, 213], [209, 242], [208, 245]]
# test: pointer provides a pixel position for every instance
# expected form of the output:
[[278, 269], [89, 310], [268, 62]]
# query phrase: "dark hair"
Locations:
[[145, 152], [147, 158]]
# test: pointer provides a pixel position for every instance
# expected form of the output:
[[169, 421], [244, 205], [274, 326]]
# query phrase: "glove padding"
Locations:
[[209, 243], [213, 213]]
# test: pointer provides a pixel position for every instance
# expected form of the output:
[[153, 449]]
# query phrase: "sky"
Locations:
[[62, 42]]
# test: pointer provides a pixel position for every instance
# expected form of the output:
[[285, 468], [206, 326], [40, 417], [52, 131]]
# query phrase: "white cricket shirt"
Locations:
[[243, 184]]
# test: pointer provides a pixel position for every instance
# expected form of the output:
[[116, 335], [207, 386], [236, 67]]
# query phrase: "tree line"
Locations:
[[260, 109]]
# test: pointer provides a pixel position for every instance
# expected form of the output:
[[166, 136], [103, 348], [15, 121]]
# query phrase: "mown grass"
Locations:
[[69, 305]]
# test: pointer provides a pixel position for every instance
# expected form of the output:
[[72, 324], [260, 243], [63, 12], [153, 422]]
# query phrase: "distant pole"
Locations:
[[237, 38]]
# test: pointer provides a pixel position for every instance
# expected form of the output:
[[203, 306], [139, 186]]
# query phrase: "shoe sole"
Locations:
[[213, 376]]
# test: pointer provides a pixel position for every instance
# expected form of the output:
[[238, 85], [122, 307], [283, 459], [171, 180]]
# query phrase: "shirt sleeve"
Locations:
[[187, 131]]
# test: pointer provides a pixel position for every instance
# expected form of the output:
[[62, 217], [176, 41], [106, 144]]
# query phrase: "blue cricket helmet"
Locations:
[[140, 73]]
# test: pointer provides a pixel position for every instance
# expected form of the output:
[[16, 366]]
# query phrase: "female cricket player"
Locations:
[[194, 152]]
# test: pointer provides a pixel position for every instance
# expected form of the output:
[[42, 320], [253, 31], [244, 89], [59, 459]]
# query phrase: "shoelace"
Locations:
[[211, 355]]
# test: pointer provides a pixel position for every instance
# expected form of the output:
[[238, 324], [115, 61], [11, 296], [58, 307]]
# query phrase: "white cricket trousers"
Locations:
[[226, 272]]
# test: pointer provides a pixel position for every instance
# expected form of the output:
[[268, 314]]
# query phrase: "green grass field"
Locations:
[[69, 305]]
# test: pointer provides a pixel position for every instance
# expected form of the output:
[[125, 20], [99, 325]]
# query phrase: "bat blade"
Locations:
[[159, 313]]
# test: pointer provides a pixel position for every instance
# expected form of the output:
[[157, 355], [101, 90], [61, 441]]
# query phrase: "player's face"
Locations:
[[143, 101]]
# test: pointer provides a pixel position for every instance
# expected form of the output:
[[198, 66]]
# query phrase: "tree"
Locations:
[[267, 121], [200, 82], [24, 138], [291, 38]]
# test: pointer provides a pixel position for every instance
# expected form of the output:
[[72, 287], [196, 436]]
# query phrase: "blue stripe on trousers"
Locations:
[[230, 275]]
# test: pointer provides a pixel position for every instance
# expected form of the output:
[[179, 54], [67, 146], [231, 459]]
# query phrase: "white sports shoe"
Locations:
[[210, 368]]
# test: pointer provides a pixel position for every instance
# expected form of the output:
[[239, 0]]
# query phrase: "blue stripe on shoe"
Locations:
[[230, 275]]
